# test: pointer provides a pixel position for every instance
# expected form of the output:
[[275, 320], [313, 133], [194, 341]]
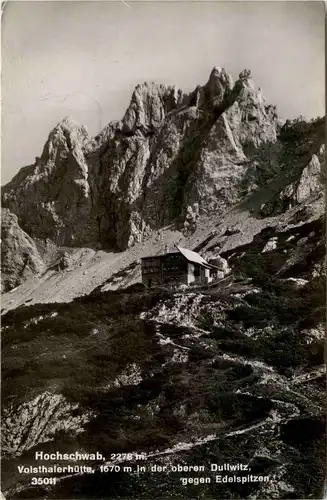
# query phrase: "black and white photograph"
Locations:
[[163, 250]]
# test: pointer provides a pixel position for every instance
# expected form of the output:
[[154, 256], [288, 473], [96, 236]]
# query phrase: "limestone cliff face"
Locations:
[[175, 151], [172, 158], [52, 197], [300, 164], [19, 256], [149, 106]]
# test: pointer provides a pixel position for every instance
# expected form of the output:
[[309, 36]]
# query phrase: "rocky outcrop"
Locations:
[[149, 106], [130, 376], [37, 421], [198, 157], [52, 198], [170, 151], [20, 257], [221, 264], [300, 166]]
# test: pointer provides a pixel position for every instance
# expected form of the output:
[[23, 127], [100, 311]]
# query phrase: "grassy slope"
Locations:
[[64, 354]]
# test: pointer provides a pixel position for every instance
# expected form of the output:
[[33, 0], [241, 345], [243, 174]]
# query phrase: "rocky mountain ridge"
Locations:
[[170, 153]]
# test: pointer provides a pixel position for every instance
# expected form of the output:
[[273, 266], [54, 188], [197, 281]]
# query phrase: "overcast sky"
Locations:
[[83, 59]]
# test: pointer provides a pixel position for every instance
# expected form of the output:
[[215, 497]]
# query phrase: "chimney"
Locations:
[[166, 249]]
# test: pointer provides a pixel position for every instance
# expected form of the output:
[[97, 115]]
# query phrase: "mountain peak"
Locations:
[[67, 134], [245, 75], [68, 122], [69, 125], [149, 106]]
